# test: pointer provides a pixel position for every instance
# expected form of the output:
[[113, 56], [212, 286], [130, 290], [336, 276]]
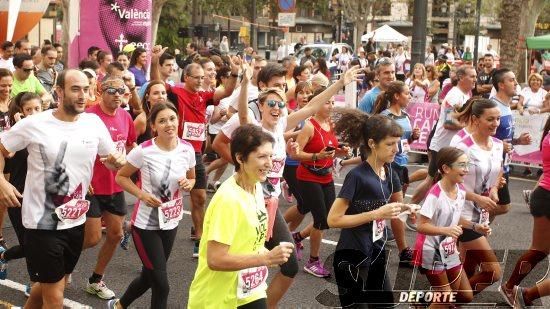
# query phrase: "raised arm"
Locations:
[[351, 75]]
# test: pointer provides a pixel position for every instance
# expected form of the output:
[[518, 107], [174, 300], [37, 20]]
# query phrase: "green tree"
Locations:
[[172, 15]]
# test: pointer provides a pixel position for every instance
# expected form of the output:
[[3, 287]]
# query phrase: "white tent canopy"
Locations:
[[385, 34]]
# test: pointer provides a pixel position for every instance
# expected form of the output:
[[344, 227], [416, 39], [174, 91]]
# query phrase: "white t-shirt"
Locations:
[[214, 128], [7, 64], [485, 166], [454, 99], [440, 252], [272, 186], [460, 135], [533, 99], [418, 93], [160, 172], [60, 163], [400, 63], [233, 99]]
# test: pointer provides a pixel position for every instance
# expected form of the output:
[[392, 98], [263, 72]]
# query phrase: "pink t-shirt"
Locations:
[[121, 128], [545, 178]]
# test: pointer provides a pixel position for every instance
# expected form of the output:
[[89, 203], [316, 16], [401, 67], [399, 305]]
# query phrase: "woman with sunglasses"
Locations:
[[433, 88], [276, 122], [317, 147], [482, 182]]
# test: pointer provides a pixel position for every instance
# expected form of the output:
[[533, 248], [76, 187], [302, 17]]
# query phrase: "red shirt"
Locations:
[[192, 113], [319, 141], [121, 128]]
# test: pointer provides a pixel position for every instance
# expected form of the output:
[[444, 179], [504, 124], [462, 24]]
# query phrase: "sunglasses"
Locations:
[[113, 91], [273, 103]]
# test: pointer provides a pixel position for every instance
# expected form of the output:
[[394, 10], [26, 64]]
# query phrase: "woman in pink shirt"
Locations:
[[516, 296]]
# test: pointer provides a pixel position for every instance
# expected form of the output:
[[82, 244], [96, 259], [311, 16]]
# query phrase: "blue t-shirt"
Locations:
[[367, 102], [365, 192], [139, 76], [505, 131], [401, 158], [289, 161]]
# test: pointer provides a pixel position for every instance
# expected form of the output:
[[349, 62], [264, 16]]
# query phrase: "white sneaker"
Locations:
[[100, 289], [337, 167]]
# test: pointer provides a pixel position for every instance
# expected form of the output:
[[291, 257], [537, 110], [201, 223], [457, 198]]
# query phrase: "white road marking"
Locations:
[[21, 287]]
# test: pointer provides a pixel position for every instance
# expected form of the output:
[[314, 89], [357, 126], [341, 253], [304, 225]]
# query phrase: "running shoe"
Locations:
[[27, 291], [406, 257], [527, 196], [337, 166], [210, 188], [299, 250], [519, 301], [111, 304], [286, 191], [3, 265], [507, 294], [99, 289], [316, 269], [196, 249], [125, 241]]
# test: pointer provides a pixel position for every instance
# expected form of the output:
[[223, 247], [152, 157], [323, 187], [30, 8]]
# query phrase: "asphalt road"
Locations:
[[511, 235]]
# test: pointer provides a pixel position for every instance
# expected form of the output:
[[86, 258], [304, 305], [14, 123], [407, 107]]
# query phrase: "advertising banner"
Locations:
[[423, 116], [111, 25]]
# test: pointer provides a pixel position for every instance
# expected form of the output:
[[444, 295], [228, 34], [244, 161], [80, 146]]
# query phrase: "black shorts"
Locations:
[[504, 193], [200, 172], [115, 204], [289, 174], [538, 204], [318, 199], [51, 255], [469, 235], [432, 167], [402, 173]]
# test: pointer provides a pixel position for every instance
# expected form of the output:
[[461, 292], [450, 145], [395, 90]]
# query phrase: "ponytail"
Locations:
[[385, 99], [474, 107], [349, 124]]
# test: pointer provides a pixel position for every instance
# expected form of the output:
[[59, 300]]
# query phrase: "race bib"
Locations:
[[72, 211], [405, 147], [121, 147], [170, 213], [378, 229], [483, 217], [251, 280], [194, 131], [277, 168], [447, 248]]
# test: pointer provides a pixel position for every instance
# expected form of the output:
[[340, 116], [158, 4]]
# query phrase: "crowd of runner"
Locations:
[[74, 141]]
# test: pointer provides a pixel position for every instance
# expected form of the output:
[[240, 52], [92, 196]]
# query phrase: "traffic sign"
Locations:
[[287, 19], [287, 5]]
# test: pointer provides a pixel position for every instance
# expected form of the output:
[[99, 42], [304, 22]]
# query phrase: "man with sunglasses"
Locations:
[[191, 102], [385, 73], [105, 196], [25, 81]]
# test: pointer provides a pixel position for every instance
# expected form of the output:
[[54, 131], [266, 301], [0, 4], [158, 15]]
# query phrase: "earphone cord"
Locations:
[[386, 200]]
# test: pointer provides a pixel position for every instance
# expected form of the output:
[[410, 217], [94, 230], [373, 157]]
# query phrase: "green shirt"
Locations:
[[31, 84], [238, 219], [467, 56]]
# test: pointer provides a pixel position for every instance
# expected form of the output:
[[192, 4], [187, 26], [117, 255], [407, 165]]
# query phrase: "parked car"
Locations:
[[322, 50]]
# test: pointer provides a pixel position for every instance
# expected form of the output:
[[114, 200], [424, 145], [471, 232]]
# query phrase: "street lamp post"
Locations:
[[420, 18], [478, 18]]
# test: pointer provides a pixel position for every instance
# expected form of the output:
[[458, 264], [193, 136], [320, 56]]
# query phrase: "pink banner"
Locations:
[[110, 25], [423, 116]]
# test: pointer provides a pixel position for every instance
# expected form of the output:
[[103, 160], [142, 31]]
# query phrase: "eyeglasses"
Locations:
[[113, 91], [461, 165], [28, 70], [197, 77], [272, 103]]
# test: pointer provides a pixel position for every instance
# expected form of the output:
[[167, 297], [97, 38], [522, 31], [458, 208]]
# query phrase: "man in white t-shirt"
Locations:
[[6, 58], [447, 125], [62, 146]]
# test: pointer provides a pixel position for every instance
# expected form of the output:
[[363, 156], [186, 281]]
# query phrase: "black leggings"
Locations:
[[16, 252], [362, 282], [154, 248], [257, 304], [318, 199], [282, 234]]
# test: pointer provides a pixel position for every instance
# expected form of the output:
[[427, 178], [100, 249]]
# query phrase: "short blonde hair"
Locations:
[[533, 76]]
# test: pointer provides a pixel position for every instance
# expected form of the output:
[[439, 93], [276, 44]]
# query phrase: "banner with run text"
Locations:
[[110, 25], [423, 116]]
